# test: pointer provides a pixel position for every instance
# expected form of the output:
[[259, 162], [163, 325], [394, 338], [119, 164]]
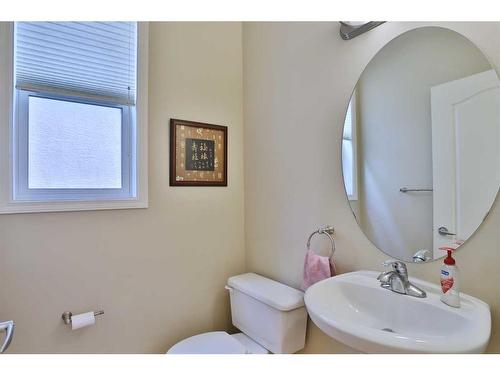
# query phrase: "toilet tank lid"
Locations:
[[270, 292]]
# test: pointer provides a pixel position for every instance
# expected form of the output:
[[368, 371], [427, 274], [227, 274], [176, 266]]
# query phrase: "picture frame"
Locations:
[[198, 153]]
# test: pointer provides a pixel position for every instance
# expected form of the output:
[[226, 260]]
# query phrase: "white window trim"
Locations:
[[21, 192], [7, 204], [354, 195]]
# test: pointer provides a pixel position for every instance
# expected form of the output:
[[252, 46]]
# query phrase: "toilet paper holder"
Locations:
[[66, 316]]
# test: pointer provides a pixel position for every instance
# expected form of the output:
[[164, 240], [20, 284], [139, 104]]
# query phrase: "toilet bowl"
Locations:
[[271, 316], [218, 342]]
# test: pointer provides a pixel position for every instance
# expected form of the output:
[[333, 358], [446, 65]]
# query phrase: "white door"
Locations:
[[465, 154]]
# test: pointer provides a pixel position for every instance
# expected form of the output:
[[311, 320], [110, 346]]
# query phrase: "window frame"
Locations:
[[138, 195], [21, 191]]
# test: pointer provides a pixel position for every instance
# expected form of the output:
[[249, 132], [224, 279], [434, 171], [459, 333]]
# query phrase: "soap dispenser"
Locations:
[[449, 280]]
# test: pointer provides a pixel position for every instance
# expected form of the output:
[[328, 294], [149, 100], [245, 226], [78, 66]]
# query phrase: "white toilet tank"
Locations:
[[271, 313]]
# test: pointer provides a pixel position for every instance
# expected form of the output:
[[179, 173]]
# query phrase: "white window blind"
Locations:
[[91, 59]]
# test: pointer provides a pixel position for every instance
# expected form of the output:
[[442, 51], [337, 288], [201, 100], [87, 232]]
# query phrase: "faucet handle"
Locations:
[[390, 262], [398, 266]]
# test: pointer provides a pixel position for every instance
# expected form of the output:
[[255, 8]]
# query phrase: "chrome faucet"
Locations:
[[422, 256], [397, 280]]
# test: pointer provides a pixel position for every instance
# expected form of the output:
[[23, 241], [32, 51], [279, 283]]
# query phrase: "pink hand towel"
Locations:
[[316, 268]]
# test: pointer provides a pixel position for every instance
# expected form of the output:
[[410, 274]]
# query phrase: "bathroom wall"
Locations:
[[297, 81], [159, 273], [395, 133]]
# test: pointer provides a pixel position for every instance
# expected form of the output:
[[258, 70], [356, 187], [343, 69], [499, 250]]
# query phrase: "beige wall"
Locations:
[[395, 134], [159, 273], [298, 78]]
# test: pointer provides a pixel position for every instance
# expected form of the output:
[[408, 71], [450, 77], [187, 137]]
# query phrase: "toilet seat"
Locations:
[[218, 342]]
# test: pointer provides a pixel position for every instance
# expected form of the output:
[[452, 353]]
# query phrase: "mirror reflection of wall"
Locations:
[[388, 144]]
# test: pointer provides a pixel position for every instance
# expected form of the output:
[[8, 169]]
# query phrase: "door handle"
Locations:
[[443, 231], [8, 327]]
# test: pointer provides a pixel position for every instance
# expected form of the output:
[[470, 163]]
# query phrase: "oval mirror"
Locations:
[[421, 144]]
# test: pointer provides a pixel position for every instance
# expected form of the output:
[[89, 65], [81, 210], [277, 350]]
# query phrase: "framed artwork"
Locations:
[[198, 154]]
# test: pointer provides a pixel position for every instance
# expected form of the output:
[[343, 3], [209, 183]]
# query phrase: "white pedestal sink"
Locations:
[[353, 309]]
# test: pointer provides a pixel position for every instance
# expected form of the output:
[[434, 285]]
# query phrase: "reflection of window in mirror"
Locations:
[[349, 161]]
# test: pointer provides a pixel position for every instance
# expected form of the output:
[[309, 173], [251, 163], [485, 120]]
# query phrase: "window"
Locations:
[[349, 161], [77, 128], [74, 145]]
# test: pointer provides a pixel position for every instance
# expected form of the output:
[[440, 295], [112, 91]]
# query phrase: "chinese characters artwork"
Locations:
[[198, 154]]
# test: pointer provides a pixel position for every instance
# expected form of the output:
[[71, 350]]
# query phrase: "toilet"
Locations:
[[271, 316]]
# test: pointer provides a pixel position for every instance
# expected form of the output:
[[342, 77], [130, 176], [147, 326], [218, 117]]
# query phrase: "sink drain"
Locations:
[[388, 330]]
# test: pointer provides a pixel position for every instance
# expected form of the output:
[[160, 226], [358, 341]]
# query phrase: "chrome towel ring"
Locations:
[[328, 231]]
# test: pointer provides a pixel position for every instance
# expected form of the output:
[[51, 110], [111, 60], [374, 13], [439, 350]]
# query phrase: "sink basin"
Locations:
[[352, 308]]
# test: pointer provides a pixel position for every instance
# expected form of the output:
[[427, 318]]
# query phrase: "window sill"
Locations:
[[32, 207]]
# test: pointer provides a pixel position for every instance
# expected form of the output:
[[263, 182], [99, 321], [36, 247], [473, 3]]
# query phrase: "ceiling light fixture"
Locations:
[[351, 29]]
